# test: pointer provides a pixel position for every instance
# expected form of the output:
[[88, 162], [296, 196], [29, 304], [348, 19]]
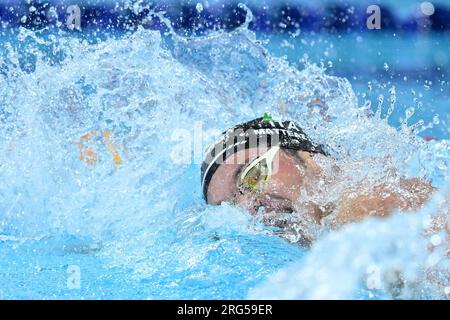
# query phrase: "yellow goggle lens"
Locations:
[[259, 172], [255, 177]]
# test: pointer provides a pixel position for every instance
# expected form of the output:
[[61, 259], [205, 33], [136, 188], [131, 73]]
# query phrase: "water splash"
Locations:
[[67, 121], [369, 260]]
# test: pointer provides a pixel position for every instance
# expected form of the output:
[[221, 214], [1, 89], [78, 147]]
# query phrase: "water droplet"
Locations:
[[385, 66], [442, 166], [199, 7], [436, 120], [369, 86], [427, 8], [435, 240], [409, 112]]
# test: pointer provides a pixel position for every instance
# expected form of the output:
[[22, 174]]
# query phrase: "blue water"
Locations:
[[139, 229]]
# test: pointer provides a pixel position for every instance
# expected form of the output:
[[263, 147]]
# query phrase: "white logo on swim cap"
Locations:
[[292, 125]]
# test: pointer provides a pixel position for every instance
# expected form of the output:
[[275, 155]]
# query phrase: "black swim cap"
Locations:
[[252, 134]]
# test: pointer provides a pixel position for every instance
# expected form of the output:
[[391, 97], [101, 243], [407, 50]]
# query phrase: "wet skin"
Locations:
[[291, 174], [294, 172]]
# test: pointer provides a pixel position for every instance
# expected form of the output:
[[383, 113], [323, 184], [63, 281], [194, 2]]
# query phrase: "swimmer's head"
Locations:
[[260, 163]]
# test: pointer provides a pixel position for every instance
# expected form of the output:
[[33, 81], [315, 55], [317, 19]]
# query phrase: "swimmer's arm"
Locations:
[[383, 200]]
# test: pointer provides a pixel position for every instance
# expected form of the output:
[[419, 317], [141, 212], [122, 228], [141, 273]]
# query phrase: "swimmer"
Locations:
[[273, 170]]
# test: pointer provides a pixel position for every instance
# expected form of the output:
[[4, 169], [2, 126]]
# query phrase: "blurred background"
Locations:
[[408, 54]]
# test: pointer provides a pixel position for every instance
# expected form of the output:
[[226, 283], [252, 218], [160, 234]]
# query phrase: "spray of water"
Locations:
[[87, 145]]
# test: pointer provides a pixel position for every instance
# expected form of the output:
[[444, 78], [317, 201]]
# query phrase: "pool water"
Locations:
[[95, 203]]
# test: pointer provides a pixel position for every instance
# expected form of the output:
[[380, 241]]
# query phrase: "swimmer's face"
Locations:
[[291, 172]]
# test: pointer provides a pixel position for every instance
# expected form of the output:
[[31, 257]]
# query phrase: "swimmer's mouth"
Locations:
[[274, 216], [271, 209]]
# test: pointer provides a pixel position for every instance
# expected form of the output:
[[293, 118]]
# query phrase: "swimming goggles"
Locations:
[[258, 173]]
